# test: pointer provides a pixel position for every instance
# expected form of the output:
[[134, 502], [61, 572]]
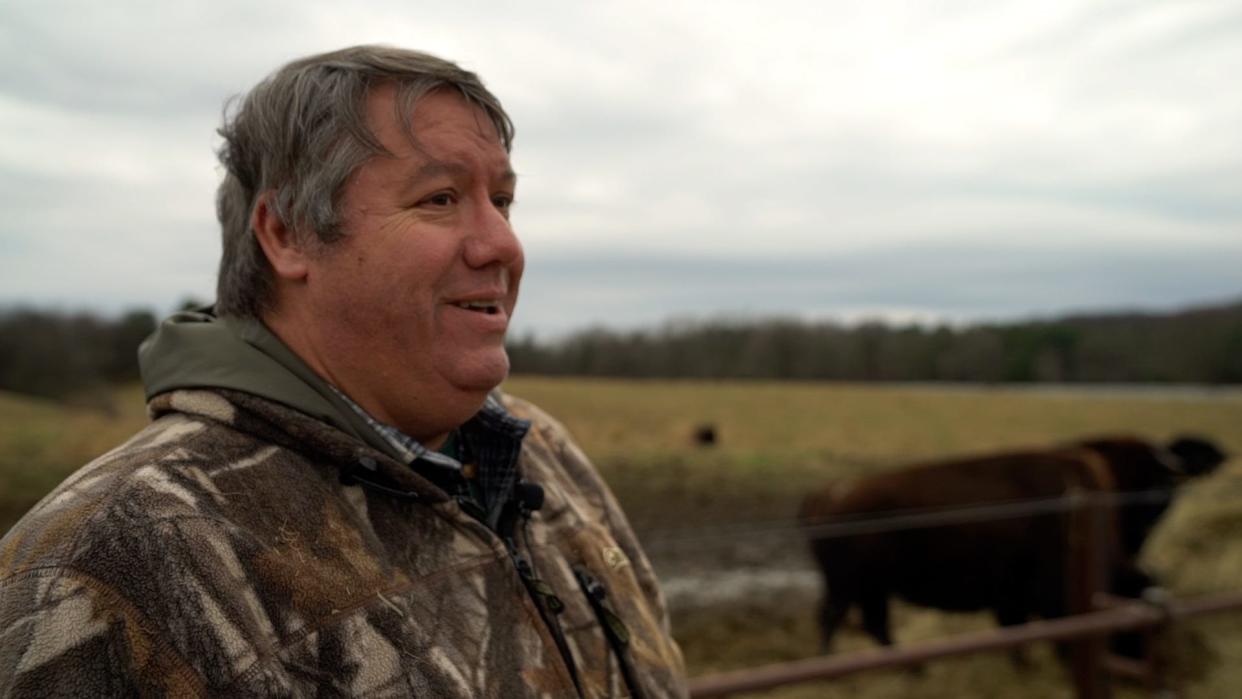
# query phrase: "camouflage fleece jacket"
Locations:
[[225, 551]]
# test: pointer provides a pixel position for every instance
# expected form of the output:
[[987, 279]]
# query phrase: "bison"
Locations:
[[1015, 566]]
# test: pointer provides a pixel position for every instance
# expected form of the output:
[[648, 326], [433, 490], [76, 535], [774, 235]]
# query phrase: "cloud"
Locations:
[[931, 282], [948, 159]]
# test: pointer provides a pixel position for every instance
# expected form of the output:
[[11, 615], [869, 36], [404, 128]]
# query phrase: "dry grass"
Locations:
[[772, 419], [41, 442]]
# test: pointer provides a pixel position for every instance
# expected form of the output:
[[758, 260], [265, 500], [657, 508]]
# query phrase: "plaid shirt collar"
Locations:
[[489, 443]]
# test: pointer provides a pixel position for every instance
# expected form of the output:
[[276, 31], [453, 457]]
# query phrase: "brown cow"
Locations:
[[1014, 566]]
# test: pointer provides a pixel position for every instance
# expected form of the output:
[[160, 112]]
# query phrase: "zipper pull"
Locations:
[[544, 590], [539, 587], [615, 630], [596, 594]]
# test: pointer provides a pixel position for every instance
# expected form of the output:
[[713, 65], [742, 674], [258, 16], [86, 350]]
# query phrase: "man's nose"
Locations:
[[491, 239]]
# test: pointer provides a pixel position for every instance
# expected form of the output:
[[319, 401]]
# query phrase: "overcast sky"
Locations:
[[956, 160]]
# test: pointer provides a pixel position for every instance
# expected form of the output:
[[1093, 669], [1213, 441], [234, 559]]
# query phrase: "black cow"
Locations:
[[1016, 566]]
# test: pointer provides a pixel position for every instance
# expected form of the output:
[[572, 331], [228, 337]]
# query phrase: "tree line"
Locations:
[[57, 354], [1195, 346]]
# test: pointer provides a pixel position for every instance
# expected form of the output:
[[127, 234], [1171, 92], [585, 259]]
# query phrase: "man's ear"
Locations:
[[285, 251]]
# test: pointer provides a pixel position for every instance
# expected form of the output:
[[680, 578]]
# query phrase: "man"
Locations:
[[332, 499]]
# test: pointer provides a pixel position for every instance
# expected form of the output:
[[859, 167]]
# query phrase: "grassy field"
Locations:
[[777, 440], [41, 442]]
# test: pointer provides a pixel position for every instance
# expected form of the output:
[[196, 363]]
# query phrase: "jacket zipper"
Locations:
[[541, 593], [614, 629], [550, 606]]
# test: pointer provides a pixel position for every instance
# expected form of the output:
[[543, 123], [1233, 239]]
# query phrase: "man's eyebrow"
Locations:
[[436, 168]]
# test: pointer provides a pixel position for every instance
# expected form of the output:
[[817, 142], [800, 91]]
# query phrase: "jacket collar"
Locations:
[[198, 350]]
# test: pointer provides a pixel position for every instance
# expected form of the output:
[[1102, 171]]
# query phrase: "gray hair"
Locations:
[[300, 134]]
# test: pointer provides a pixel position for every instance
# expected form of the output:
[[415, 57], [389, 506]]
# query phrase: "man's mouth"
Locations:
[[488, 307]]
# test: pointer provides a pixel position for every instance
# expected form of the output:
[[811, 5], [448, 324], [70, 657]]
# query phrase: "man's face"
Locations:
[[411, 306]]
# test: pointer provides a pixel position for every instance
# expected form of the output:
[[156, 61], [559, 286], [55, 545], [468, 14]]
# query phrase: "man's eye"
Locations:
[[502, 201], [441, 199]]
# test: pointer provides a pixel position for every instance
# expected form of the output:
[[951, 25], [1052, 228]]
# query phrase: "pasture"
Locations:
[[716, 519]]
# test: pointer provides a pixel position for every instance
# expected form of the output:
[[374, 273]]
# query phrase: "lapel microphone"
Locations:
[[529, 497]]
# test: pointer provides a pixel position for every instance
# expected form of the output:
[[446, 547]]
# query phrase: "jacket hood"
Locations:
[[198, 350]]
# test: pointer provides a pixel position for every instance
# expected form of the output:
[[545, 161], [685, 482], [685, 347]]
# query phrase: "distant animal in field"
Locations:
[[705, 435], [1016, 566]]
